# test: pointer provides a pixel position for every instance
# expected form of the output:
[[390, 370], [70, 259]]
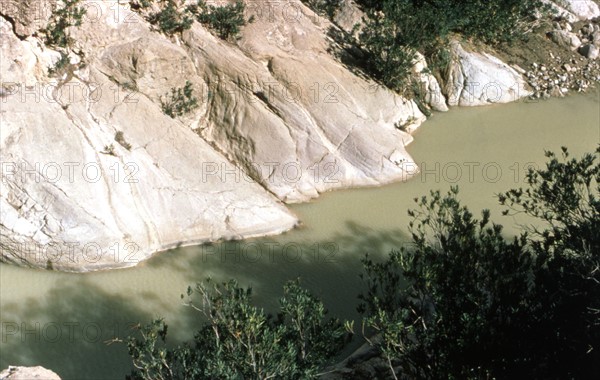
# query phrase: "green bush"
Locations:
[[395, 29], [226, 20], [60, 65], [464, 303], [324, 7], [180, 101], [170, 20], [240, 341], [565, 198], [120, 138], [56, 32]]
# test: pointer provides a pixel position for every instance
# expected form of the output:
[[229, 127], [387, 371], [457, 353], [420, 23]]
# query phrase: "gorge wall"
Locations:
[[96, 176]]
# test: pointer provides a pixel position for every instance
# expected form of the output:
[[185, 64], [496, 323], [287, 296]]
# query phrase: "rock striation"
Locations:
[[96, 176], [476, 79]]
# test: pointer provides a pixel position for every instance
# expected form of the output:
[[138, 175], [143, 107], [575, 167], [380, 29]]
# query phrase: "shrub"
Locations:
[[226, 20], [240, 341], [60, 65], [109, 149], [180, 101], [170, 20], [464, 303], [565, 198], [120, 138], [395, 29], [56, 32], [440, 306], [324, 7]]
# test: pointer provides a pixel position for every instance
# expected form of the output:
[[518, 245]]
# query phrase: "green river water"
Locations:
[[61, 321]]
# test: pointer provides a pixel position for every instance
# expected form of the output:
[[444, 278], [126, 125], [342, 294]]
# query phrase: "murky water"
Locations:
[[61, 321]]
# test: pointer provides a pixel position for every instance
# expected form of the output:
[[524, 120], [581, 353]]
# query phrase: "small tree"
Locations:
[[564, 197], [180, 101], [63, 17], [446, 308], [240, 341], [226, 20], [326, 7], [170, 20], [394, 30], [60, 66], [464, 303]]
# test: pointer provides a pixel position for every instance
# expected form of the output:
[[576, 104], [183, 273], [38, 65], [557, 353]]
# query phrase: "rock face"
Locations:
[[575, 10], [96, 176], [478, 79], [28, 373], [294, 117], [430, 86], [583, 9], [29, 16]]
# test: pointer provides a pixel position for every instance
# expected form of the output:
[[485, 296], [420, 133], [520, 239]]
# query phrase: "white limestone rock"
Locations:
[[429, 84], [72, 198], [582, 9], [29, 16], [69, 203], [28, 373], [293, 116], [565, 39], [479, 78]]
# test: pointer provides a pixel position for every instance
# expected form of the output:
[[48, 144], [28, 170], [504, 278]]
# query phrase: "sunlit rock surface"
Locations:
[[279, 119]]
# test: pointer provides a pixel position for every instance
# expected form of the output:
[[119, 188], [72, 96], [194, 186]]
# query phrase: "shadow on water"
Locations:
[[67, 330], [328, 267]]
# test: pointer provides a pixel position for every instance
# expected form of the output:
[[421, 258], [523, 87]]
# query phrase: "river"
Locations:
[[62, 321]]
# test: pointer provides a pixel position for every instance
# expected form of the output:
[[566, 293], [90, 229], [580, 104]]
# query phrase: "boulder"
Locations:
[[479, 78], [574, 10], [583, 9], [565, 39], [348, 16], [429, 85], [589, 51], [28, 373]]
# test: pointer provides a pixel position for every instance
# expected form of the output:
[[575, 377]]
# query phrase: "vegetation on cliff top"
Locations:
[[172, 17], [392, 31]]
